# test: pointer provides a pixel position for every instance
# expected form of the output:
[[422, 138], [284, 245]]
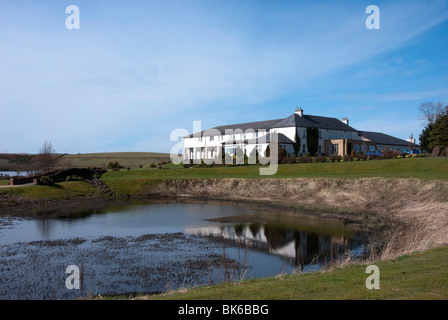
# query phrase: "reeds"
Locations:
[[233, 270]]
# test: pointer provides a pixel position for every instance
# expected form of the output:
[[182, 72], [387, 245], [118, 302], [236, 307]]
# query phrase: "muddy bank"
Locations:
[[17, 206]]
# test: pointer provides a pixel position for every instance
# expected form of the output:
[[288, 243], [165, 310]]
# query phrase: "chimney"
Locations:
[[411, 139], [345, 120], [299, 111]]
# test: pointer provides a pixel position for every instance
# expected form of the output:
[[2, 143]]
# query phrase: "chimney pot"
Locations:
[[299, 111]]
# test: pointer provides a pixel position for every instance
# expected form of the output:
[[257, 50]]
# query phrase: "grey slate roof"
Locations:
[[305, 121], [259, 125], [308, 121], [382, 138], [281, 138]]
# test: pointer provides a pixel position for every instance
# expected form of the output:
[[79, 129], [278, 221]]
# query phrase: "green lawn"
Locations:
[[135, 181], [417, 276], [62, 190], [138, 181], [4, 182]]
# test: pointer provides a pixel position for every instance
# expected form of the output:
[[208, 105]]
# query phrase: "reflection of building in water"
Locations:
[[301, 248]]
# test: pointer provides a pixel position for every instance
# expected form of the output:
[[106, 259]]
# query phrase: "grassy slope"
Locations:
[[136, 181], [62, 190], [418, 276], [133, 182]]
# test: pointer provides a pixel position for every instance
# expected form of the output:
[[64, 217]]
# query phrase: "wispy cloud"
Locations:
[[132, 66]]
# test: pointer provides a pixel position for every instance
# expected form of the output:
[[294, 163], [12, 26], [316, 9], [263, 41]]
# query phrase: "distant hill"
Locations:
[[126, 159]]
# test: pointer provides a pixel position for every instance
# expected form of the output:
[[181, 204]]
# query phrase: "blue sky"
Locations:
[[137, 70]]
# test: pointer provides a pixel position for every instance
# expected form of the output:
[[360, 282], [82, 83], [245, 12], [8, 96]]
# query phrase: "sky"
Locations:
[[135, 71]]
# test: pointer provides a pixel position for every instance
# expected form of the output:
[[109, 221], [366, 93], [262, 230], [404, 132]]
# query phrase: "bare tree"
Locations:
[[46, 157], [430, 111]]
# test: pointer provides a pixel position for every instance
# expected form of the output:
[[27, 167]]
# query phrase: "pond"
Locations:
[[154, 247], [12, 173]]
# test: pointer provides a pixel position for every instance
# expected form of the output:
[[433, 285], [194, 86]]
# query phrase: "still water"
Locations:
[[142, 248], [12, 173]]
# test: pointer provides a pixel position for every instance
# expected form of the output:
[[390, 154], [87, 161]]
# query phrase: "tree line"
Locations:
[[434, 137], [42, 162]]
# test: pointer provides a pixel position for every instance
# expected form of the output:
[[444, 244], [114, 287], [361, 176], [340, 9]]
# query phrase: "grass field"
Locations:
[[62, 190], [136, 181], [416, 276]]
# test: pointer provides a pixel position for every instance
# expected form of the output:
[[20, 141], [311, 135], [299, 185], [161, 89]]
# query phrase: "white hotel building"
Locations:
[[335, 137]]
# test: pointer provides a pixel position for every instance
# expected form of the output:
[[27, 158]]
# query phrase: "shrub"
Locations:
[[113, 165], [362, 156], [153, 165], [46, 181], [444, 153], [304, 159], [140, 166], [436, 151], [320, 159], [335, 158], [128, 168], [115, 169]]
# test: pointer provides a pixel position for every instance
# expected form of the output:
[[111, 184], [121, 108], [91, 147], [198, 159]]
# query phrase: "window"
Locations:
[[335, 148], [304, 134], [212, 138], [219, 138], [304, 148], [320, 149], [200, 139], [320, 134], [230, 150]]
